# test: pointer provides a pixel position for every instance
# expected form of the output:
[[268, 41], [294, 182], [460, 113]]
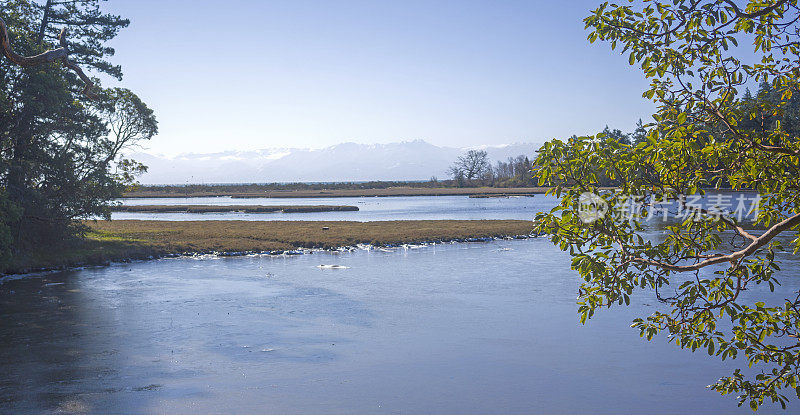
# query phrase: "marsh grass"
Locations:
[[120, 240]]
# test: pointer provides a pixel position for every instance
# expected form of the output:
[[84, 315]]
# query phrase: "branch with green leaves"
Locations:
[[707, 134]]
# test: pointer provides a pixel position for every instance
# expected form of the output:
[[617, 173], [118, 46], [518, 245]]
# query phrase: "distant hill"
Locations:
[[411, 160]]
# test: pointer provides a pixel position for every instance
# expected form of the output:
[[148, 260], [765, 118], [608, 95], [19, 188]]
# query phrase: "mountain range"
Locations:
[[409, 160]]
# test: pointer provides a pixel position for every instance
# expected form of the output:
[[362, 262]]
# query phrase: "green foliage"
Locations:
[[705, 135], [59, 150], [616, 135], [9, 214], [639, 135]]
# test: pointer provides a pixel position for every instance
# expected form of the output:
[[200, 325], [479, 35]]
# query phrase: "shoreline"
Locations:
[[335, 193], [131, 240], [288, 253]]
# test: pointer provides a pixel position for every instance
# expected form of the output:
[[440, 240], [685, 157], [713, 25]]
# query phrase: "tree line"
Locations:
[[474, 168]]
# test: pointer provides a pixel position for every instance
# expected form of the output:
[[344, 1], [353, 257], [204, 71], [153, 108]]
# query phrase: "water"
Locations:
[[402, 208], [370, 208], [451, 329]]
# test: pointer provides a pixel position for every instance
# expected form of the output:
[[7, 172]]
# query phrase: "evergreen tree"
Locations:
[[617, 135], [639, 135], [60, 143]]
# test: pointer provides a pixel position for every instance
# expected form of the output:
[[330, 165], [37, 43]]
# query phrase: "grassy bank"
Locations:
[[392, 191], [132, 239], [232, 208]]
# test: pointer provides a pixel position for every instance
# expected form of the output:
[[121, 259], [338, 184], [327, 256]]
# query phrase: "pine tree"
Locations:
[[639, 135], [59, 147]]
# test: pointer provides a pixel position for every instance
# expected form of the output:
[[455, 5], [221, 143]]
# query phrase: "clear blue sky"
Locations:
[[256, 74]]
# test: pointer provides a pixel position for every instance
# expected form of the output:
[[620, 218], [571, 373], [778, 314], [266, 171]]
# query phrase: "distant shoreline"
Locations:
[[334, 193], [231, 208], [128, 240]]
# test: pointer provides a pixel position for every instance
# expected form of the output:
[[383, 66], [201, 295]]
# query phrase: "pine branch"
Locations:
[[53, 55]]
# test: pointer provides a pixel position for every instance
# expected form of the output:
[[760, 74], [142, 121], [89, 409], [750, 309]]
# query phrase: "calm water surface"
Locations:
[[452, 329], [370, 208]]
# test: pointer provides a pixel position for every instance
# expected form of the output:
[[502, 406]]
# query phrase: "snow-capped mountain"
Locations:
[[411, 160]]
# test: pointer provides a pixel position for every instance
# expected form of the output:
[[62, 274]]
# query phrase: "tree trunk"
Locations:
[[45, 21]]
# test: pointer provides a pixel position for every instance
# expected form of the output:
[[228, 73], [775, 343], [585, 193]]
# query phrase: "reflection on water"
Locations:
[[370, 208], [461, 328]]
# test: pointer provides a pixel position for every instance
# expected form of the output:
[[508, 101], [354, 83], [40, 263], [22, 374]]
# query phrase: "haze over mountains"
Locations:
[[410, 160]]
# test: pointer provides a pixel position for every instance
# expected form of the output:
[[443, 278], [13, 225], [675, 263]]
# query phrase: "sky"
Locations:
[[248, 74]]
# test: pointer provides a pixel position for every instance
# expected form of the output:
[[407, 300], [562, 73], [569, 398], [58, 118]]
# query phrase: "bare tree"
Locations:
[[474, 164], [129, 120]]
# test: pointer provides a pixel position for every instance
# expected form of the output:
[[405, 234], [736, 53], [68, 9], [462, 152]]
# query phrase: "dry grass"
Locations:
[[133, 239], [392, 191], [222, 236], [232, 208]]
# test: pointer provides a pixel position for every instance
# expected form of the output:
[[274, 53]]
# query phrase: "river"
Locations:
[[451, 329]]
